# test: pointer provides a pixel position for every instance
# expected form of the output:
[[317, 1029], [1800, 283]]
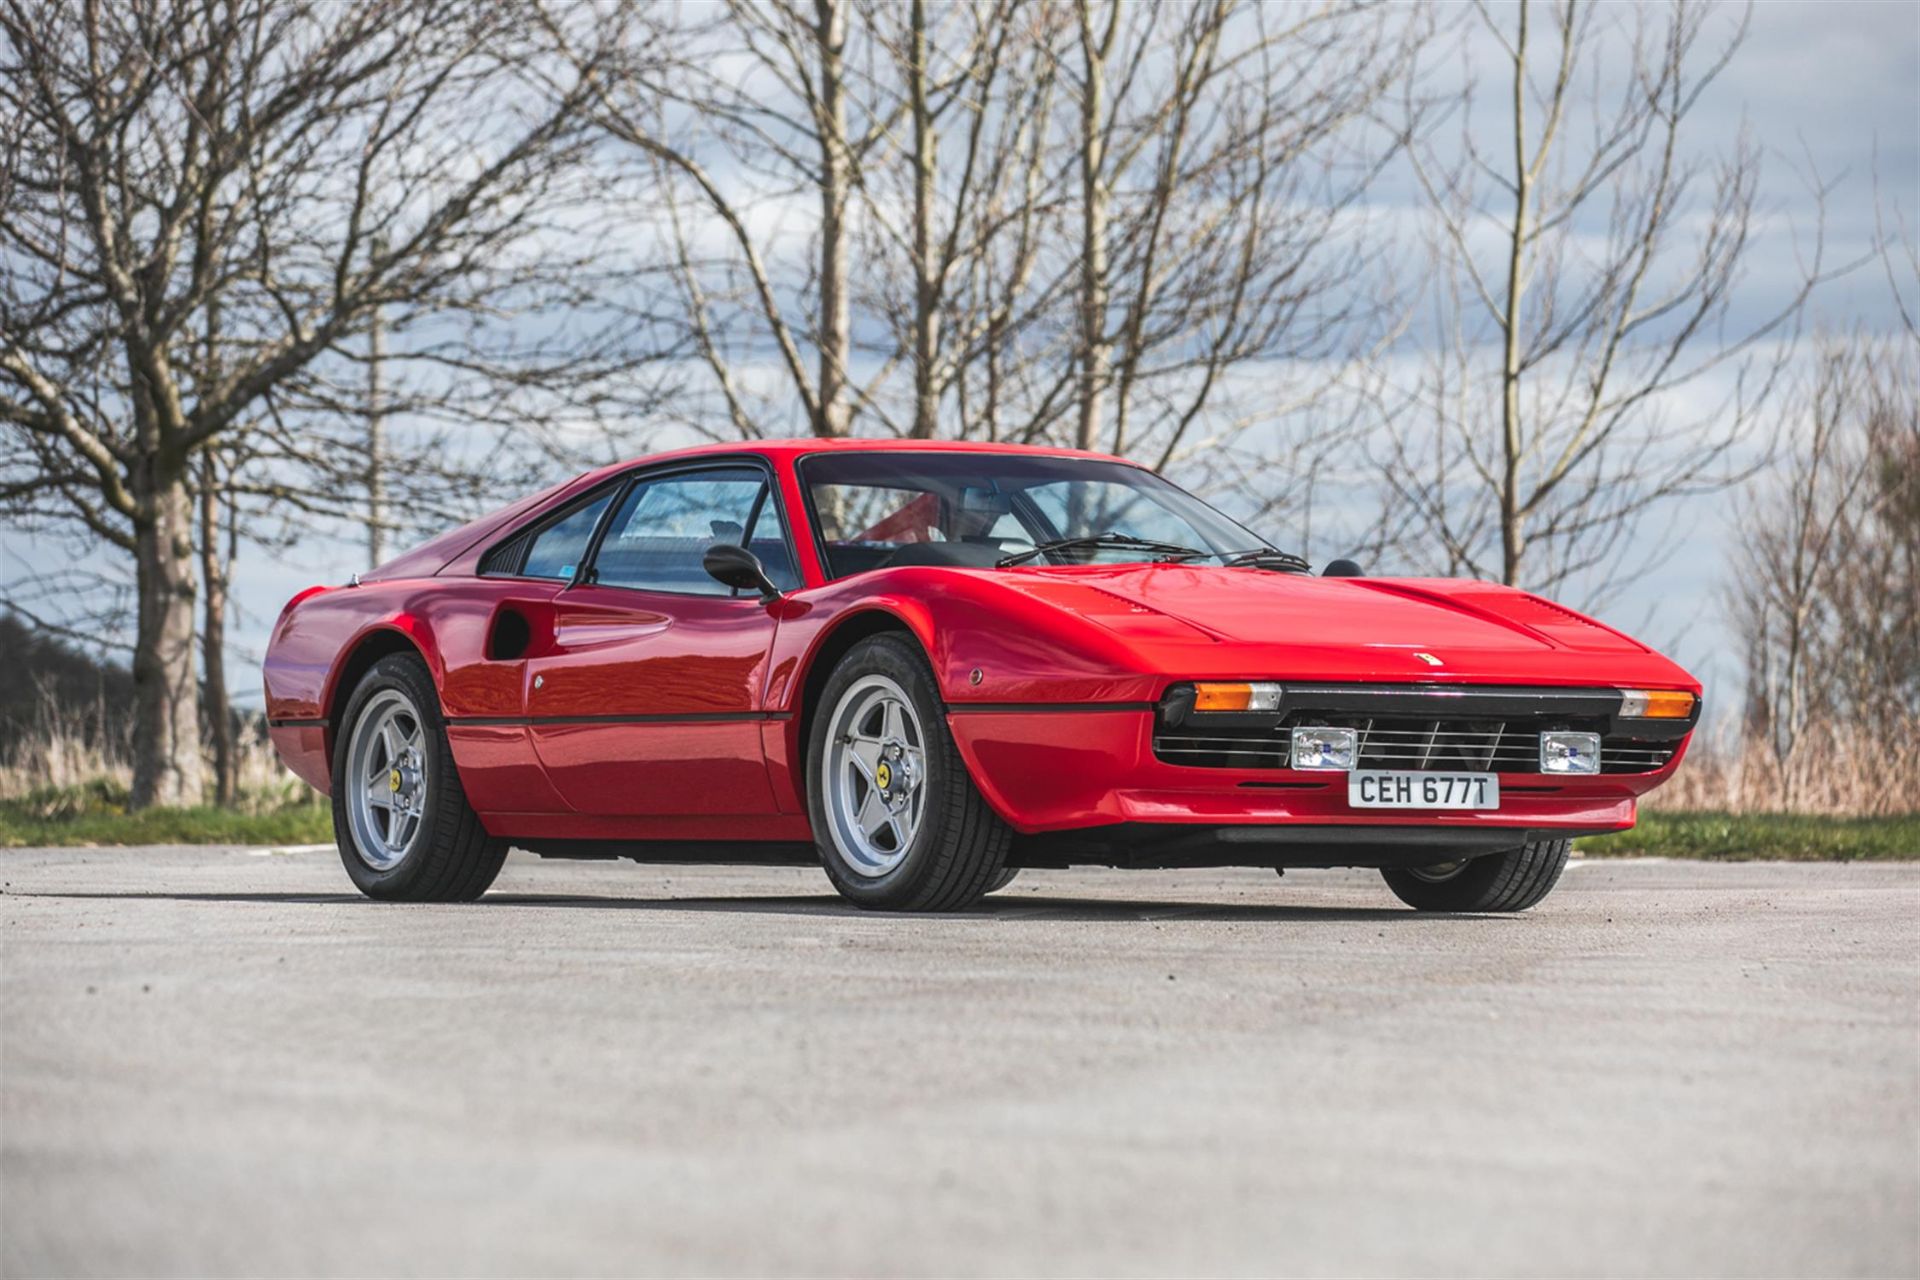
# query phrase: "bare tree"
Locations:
[[1793, 534], [1220, 156], [729, 113], [1825, 583], [1585, 272], [1009, 219], [166, 157], [975, 85]]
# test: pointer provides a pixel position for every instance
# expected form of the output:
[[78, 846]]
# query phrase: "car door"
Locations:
[[488, 628], [648, 700]]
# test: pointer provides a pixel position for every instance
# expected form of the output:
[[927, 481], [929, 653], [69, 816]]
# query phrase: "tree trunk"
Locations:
[[836, 324], [215, 572], [1512, 535], [376, 435], [926, 301], [167, 769], [213, 635], [1094, 354]]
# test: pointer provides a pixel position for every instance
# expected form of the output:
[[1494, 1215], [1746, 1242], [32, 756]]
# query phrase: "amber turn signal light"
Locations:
[[1235, 696], [1222, 697], [1655, 704]]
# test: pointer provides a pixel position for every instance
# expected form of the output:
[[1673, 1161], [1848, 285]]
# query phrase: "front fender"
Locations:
[[986, 643]]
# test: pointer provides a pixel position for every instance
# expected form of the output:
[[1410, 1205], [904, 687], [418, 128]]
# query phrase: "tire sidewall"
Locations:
[[1499, 882], [409, 676], [895, 659], [1466, 891]]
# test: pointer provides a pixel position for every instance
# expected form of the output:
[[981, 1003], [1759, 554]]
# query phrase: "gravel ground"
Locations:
[[219, 1061]]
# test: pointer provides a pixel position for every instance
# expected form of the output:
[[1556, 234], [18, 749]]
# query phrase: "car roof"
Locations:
[[800, 446], [449, 549]]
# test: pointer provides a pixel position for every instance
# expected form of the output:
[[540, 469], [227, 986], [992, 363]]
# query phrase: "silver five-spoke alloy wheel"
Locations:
[[386, 779], [875, 776]]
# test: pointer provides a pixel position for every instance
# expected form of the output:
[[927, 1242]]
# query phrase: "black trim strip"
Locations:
[[685, 717], [1436, 701], [319, 722], [1007, 708]]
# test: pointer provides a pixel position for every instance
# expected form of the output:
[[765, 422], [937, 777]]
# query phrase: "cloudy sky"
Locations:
[[1826, 88]]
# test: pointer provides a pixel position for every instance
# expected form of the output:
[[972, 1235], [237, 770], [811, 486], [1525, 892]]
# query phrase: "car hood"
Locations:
[[1213, 620]]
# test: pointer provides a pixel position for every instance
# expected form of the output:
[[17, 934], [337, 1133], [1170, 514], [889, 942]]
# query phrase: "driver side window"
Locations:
[[663, 528]]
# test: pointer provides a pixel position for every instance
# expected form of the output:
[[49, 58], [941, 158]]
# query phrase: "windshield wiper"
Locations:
[[1170, 550], [1255, 558], [1266, 558]]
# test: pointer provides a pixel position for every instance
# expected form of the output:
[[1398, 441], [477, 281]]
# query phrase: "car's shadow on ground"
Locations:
[[1012, 909]]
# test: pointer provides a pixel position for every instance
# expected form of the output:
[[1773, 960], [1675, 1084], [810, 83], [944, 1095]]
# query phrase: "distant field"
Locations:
[[97, 815], [1763, 837]]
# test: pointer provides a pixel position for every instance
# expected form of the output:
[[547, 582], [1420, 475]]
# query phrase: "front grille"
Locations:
[[1510, 744]]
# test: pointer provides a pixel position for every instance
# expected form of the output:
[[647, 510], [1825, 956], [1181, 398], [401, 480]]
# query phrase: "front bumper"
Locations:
[[1062, 769]]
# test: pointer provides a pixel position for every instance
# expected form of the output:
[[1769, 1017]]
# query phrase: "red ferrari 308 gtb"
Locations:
[[930, 665]]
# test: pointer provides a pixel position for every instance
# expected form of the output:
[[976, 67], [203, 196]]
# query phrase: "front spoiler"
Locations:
[[1181, 845]]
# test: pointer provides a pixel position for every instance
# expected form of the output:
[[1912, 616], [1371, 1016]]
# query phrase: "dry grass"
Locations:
[[55, 758], [59, 787], [1836, 770]]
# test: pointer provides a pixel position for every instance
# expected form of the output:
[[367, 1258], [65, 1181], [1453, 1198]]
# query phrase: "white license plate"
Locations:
[[1399, 789]]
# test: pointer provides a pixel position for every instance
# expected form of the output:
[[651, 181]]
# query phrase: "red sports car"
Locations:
[[930, 665]]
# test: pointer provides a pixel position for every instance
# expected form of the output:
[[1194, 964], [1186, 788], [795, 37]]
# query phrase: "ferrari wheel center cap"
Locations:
[[403, 780], [895, 774]]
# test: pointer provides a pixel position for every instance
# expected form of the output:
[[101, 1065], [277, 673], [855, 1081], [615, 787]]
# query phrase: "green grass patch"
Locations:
[[96, 814], [1775, 837]]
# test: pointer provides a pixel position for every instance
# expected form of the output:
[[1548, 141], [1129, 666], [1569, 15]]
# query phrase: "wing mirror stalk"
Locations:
[[740, 569]]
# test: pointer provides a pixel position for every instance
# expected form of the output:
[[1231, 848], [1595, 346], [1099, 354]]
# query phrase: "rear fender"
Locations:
[[324, 642]]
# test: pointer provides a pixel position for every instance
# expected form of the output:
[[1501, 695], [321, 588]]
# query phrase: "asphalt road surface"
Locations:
[[220, 1061]]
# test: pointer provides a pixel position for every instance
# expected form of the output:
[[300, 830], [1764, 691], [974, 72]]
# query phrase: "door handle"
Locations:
[[597, 631]]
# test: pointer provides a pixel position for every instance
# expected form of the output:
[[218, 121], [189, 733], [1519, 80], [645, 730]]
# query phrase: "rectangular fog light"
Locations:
[[1569, 752], [1324, 747]]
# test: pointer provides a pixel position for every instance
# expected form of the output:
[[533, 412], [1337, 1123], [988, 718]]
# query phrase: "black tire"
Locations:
[[1004, 879], [1510, 881], [453, 859], [960, 848]]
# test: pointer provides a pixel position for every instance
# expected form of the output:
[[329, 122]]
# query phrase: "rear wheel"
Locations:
[[400, 815], [898, 821], [1510, 881]]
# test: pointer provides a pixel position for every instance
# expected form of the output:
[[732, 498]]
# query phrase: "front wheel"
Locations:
[[400, 815], [1510, 881], [898, 821]]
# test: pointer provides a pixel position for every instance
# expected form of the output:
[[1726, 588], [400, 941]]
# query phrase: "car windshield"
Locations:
[[881, 509]]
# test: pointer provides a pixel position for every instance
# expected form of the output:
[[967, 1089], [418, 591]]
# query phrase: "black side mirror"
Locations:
[[739, 568], [1342, 569]]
